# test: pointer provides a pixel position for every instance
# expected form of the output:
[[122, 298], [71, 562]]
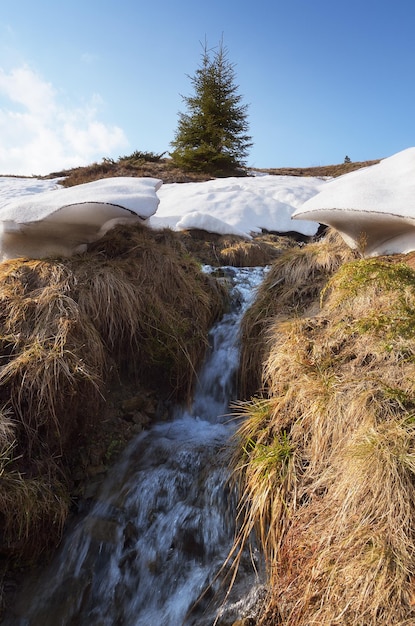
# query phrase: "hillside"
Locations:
[[325, 460], [93, 348], [148, 164], [326, 390]]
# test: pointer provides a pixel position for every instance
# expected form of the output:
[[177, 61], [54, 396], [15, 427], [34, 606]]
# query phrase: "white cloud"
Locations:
[[40, 135]]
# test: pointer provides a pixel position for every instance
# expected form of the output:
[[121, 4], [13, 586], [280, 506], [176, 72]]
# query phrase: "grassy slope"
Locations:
[[323, 170], [165, 169], [326, 454], [53, 309], [136, 309]]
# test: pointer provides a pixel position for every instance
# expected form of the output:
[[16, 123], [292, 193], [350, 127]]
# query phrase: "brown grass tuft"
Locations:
[[136, 307], [326, 459], [320, 170], [252, 253], [290, 288], [218, 250], [162, 168], [155, 166]]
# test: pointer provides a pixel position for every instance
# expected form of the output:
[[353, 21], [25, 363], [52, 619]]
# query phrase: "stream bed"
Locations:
[[148, 552]]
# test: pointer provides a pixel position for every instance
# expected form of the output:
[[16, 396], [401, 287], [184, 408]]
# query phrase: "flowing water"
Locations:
[[163, 522]]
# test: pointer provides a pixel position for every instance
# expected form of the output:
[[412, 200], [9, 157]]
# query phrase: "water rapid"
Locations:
[[163, 522]]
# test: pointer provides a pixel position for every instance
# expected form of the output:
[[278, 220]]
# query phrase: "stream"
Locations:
[[149, 550]]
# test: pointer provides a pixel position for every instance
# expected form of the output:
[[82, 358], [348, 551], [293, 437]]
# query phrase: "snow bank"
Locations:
[[372, 208], [237, 205], [120, 196], [39, 219], [12, 187], [203, 221], [62, 222]]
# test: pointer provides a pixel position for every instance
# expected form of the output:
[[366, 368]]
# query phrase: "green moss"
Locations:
[[398, 323], [402, 398], [355, 276], [395, 284]]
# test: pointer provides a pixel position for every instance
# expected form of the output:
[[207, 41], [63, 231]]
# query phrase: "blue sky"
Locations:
[[80, 81]]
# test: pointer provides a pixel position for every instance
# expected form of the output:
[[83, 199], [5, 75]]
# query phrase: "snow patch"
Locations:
[[63, 222], [372, 208], [246, 205]]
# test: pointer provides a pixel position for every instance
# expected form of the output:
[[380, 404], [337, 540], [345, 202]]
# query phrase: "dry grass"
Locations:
[[261, 251], [33, 508], [168, 310], [135, 307], [320, 170], [139, 164], [219, 250], [326, 459], [37, 509], [162, 168], [52, 356], [289, 289]]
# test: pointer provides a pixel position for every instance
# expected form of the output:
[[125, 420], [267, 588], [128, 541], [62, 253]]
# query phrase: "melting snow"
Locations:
[[237, 205], [61, 222], [373, 208]]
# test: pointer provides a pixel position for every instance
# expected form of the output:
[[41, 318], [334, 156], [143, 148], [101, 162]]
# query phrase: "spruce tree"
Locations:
[[212, 136]]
